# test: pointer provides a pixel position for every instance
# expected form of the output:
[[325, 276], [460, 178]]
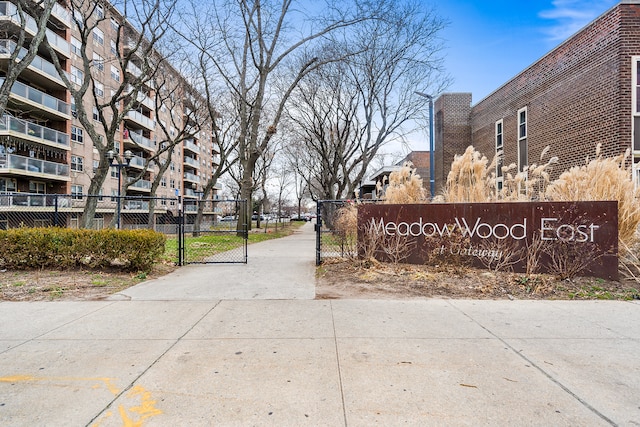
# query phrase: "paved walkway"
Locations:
[[158, 357]]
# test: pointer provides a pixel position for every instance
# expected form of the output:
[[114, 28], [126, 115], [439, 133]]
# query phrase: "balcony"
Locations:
[[56, 107], [10, 11], [192, 162], [17, 200], [141, 184], [137, 205], [141, 120], [38, 66], [30, 166], [191, 177], [137, 162], [188, 144], [12, 126], [140, 140], [133, 69], [61, 14]]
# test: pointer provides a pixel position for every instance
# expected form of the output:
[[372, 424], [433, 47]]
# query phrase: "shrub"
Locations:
[[131, 250]]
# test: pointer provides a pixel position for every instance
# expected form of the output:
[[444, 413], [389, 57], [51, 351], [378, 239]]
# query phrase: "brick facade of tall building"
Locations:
[[582, 93]]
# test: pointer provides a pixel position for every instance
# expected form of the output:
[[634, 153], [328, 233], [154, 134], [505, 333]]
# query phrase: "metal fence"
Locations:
[[214, 231], [189, 224], [336, 233]]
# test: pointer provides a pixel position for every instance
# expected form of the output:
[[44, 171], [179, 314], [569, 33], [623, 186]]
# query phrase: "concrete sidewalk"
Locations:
[[276, 269], [158, 361]]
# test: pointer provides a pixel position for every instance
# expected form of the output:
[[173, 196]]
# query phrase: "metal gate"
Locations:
[[212, 231]]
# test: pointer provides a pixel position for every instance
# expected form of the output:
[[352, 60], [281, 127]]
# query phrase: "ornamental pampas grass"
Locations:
[[405, 187], [470, 178], [603, 179]]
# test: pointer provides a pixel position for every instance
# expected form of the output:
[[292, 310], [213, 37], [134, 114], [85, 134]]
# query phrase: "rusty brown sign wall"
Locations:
[[559, 235]]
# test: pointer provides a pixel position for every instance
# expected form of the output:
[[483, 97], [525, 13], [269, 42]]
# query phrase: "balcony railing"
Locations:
[[33, 199], [11, 11], [191, 161], [191, 177], [62, 14], [139, 205], [137, 161], [140, 184], [39, 63], [39, 97], [31, 165], [141, 140], [133, 69], [142, 119], [12, 125], [189, 145]]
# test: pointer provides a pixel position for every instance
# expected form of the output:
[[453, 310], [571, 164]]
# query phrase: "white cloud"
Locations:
[[569, 16]]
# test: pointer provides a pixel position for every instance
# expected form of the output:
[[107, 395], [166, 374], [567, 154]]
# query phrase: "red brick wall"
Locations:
[[452, 132], [576, 96]]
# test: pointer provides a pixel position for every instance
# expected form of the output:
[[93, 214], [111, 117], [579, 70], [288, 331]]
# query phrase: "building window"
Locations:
[[76, 192], [99, 11], [76, 134], [96, 165], [76, 46], [115, 73], [76, 163], [77, 76], [98, 62], [172, 183], [499, 154], [114, 24], [7, 185], [98, 36], [99, 87], [37, 187], [114, 48], [96, 114], [523, 158], [163, 182]]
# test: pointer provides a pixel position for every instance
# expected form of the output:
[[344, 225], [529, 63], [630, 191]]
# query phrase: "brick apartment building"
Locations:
[[585, 91], [44, 150]]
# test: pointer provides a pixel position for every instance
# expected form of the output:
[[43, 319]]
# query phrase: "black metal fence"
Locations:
[[197, 230], [336, 229], [214, 231]]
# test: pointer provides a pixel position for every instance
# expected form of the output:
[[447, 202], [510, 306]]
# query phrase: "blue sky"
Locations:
[[490, 41]]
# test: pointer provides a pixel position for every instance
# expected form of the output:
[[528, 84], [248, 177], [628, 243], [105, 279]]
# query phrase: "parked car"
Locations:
[[228, 218]]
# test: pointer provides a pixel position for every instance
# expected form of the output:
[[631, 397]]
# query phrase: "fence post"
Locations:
[[180, 232], [55, 211], [318, 232]]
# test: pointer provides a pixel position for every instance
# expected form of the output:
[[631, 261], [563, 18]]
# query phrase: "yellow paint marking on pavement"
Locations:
[[143, 411]]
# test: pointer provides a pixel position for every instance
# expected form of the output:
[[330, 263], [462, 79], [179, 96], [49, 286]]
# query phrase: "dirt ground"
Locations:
[[70, 285], [344, 279], [336, 280]]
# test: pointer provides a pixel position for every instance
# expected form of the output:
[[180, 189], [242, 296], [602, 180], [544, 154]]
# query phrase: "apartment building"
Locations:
[[584, 92], [45, 152]]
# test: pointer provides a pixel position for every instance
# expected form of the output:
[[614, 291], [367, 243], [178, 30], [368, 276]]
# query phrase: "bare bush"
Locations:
[[501, 255], [345, 229]]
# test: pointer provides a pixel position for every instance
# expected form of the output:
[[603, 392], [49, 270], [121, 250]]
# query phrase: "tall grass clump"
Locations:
[[405, 187], [603, 179], [470, 178]]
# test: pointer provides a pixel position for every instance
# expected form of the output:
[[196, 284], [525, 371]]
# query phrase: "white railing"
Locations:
[[12, 125], [39, 97], [141, 119], [39, 63], [191, 177], [189, 145], [191, 161], [141, 183], [140, 140], [29, 164]]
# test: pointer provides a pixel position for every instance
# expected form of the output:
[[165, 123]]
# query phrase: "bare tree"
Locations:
[[345, 112], [32, 30], [135, 56], [249, 42]]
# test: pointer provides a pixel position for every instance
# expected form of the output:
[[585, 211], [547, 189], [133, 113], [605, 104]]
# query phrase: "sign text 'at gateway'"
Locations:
[[492, 231]]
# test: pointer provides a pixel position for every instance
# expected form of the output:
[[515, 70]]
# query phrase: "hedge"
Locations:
[[59, 248]]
